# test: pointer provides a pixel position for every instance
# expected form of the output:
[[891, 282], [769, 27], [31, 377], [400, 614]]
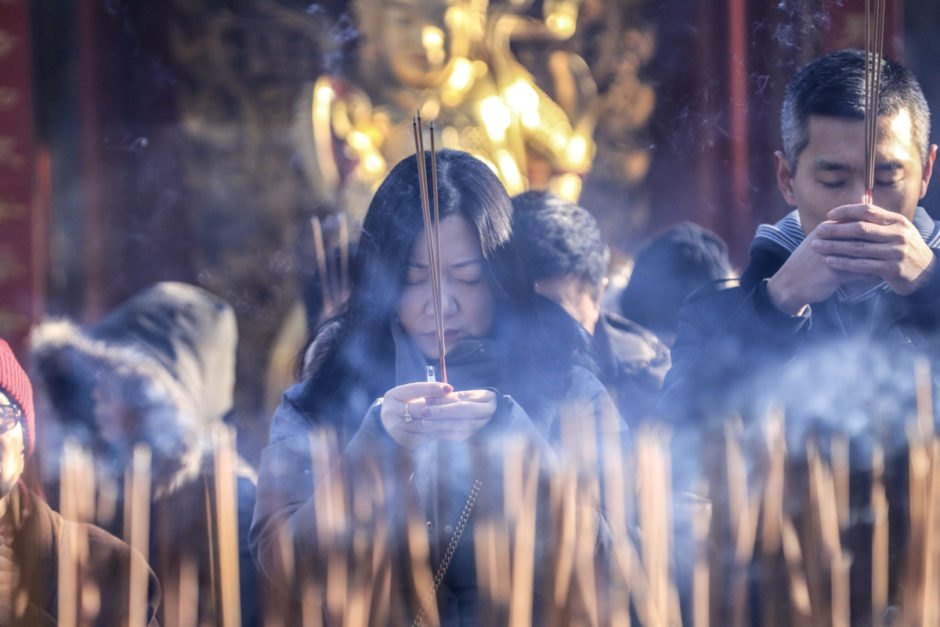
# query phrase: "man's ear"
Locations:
[[928, 169], [784, 178]]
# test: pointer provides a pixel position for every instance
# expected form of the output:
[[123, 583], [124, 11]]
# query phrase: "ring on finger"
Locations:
[[406, 415]]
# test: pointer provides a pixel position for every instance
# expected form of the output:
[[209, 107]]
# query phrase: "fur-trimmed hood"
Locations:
[[168, 354]]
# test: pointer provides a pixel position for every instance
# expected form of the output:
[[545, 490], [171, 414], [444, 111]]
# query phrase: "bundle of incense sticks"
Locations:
[[431, 230], [874, 53], [334, 277]]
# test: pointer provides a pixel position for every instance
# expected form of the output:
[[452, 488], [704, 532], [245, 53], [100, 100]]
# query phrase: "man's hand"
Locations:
[[806, 278], [870, 240]]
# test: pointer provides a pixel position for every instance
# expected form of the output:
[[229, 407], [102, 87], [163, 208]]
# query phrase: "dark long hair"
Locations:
[[362, 354]]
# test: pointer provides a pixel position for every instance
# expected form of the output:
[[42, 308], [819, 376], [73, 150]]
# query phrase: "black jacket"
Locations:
[[631, 363]]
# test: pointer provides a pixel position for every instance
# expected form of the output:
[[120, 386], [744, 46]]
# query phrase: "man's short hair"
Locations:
[[558, 238], [670, 268], [834, 85]]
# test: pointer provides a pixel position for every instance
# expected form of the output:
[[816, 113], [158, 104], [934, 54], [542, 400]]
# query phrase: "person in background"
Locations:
[[32, 535], [567, 258], [159, 370], [667, 270]]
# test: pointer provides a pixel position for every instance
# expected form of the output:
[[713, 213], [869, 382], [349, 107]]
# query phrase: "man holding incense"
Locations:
[[841, 282]]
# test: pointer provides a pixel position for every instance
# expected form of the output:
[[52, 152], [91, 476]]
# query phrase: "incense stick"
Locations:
[[139, 532], [77, 505], [874, 53], [319, 248], [226, 508], [432, 233], [879, 541], [342, 288], [439, 312], [701, 525]]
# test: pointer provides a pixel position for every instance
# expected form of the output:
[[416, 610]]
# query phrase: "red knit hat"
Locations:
[[15, 384]]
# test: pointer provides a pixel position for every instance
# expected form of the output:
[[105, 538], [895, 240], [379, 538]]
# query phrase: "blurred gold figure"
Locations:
[[451, 60]]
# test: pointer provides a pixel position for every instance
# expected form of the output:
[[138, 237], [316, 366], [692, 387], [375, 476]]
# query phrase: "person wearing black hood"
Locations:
[[33, 544], [159, 370], [566, 256]]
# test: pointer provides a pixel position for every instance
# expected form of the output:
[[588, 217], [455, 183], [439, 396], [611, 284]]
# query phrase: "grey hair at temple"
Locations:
[[834, 85]]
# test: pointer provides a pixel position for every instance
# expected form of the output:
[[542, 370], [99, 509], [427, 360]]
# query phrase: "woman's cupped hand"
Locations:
[[416, 413]]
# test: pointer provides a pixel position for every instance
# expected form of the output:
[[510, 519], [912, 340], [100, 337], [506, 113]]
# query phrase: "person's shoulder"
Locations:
[[716, 293], [318, 349], [629, 341], [583, 384]]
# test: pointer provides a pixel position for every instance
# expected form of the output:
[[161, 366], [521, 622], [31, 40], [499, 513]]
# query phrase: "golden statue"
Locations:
[[451, 60]]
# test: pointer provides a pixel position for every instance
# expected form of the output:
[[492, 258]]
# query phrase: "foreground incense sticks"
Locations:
[[773, 537]]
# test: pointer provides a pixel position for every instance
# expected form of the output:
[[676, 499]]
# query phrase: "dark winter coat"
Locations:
[[435, 479]]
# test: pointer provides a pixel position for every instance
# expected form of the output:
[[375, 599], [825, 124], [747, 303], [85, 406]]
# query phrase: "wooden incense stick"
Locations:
[[342, 277], [879, 540], [523, 558], [432, 235], [800, 604], [319, 248], [924, 392], [839, 452], [226, 507], [77, 506], [701, 525], [139, 531], [187, 597], [930, 611], [874, 53], [439, 312]]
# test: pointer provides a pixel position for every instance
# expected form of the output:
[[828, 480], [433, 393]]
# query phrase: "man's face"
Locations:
[[830, 172], [12, 458]]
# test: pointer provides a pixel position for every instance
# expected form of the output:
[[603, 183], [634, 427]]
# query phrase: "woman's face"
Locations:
[[466, 297]]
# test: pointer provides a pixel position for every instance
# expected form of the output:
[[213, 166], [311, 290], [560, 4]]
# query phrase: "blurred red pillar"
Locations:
[[23, 182]]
